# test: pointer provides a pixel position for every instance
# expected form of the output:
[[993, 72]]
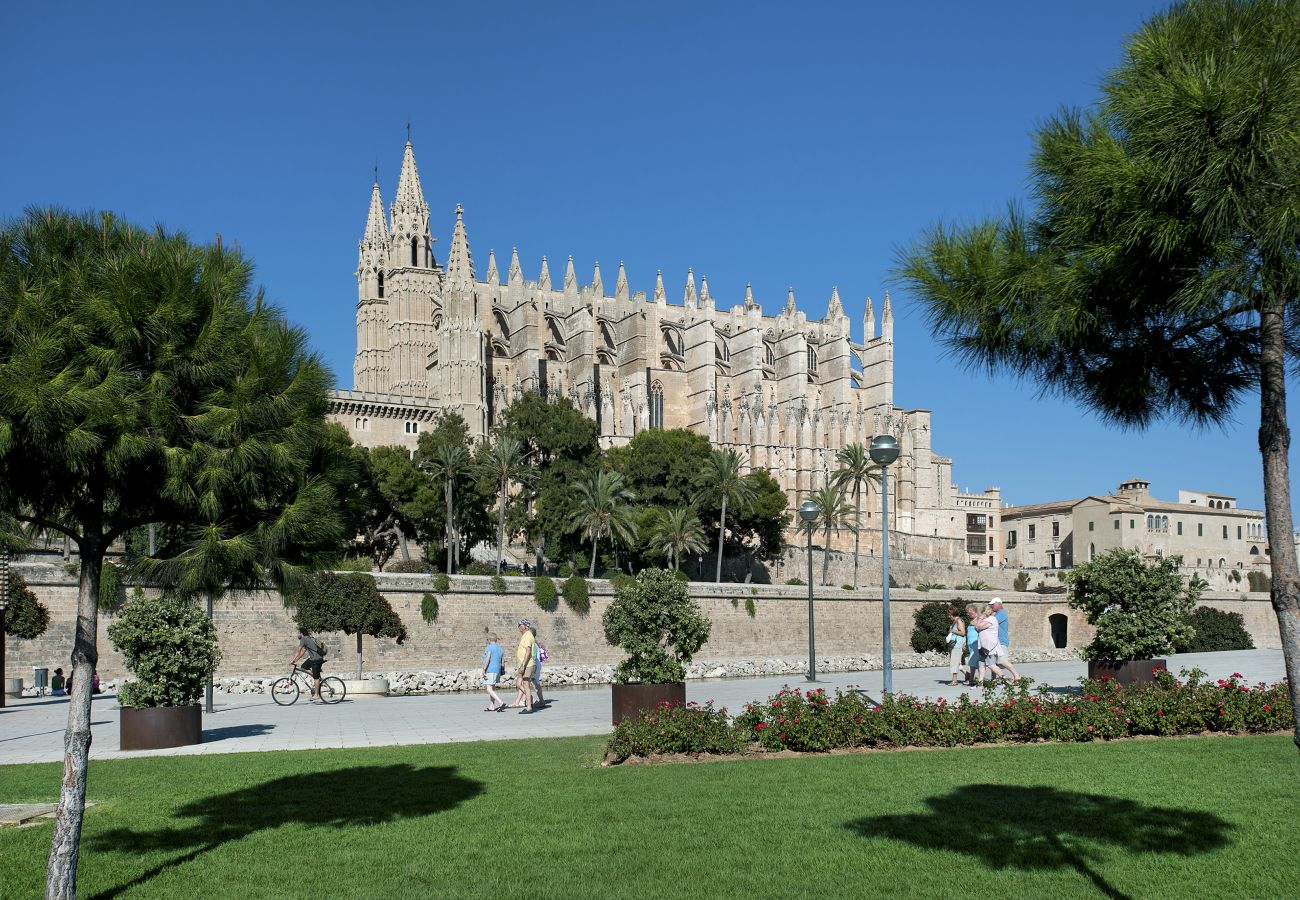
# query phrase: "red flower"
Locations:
[[1267, 708], [781, 736], [760, 726], [1160, 712]]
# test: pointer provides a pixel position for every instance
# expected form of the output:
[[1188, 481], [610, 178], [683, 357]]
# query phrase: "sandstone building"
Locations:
[[787, 391]]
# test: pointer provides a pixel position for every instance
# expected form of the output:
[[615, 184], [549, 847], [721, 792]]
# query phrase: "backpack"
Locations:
[[321, 649], [542, 655]]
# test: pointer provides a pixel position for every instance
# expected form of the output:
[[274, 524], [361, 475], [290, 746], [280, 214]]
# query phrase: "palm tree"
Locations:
[[449, 462], [722, 480], [603, 510], [832, 515], [504, 462], [855, 473], [675, 532]]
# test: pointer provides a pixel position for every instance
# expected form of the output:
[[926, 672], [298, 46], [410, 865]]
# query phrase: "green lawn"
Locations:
[[1212, 817]]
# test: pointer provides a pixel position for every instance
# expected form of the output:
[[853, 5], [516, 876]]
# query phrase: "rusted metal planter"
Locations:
[[629, 699], [1132, 671], [163, 726]]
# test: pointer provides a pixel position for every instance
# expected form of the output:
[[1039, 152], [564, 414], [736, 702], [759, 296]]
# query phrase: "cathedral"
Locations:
[[786, 391]]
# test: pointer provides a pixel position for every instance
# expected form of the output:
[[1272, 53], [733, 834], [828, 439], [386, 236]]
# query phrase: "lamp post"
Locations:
[[884, 450], [4, 604], [808, 513]]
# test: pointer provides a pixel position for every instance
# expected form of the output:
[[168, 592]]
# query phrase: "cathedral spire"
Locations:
[[492, 276], [376, 228], [597, 284], [869, 323], [620, 283], [372, 248], [706, 299], [460, 265], [570, 277], [750, 303], [790, 309], [410, 243], [661, 296], [516, 273], [887, 320], [835, 309], [544, 277], [689, 298]]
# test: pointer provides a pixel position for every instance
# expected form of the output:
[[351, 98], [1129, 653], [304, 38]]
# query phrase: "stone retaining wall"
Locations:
[[258, 636]]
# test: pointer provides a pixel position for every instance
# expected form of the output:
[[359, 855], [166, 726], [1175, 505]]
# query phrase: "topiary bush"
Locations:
[[659, 626], [27, 617], [349, 602], [1214, 630], [577, 594], [411, 567], [1022, 581], [429, 607], [931, 629], [544, 592], [170, 646], [1139, 611]]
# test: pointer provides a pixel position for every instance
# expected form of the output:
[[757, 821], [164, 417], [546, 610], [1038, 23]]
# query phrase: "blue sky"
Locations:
[[774, 144]]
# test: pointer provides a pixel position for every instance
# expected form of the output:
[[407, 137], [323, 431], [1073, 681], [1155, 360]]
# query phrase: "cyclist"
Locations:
[[311, 648]]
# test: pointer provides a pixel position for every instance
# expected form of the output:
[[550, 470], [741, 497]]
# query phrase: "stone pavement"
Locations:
[[31, 730]]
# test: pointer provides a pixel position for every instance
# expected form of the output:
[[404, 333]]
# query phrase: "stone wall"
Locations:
[[258, 637]]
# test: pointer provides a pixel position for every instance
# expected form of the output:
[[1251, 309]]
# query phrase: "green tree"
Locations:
[[655, 620], [471, 496], [504, 461], [601, 509], [855, 474], [760, 527], [833, 513], [171, 648], [147, 383], [408, 501], [1137, 611], [1158, 275], [348, 602], [448, 463], [660, 465], [676, 531], [26, 617], [721, 481]]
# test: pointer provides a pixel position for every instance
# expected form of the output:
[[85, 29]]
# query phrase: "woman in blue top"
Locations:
[[492, 668]]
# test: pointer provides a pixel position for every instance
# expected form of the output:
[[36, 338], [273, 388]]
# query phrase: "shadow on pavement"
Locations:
[[344, 798], [235, 731], [1046, 828]]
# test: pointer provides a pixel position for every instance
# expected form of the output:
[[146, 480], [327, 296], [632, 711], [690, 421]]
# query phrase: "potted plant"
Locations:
[[660, 627], [171, 648], [1139, 611]]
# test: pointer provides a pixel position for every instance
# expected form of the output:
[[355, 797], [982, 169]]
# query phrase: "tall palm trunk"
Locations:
[[722, 533], [857, 535], [501, 528], [595, 545], [450, 534], [61, 873], [826, 554], [1274, 444]]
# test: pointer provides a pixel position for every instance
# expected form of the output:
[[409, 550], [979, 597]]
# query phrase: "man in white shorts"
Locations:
[[1002, 655]]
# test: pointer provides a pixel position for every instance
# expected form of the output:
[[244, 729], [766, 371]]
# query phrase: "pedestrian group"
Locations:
[[979, 648]]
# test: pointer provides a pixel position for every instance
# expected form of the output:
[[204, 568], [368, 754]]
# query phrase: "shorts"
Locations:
[[528, 672], [491, 677], [313, 666], [998, 656]]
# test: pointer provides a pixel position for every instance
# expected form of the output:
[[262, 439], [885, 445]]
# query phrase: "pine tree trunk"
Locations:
[[207, 688], [401, 542], [61, 874], [722, 533], [1274, 444]]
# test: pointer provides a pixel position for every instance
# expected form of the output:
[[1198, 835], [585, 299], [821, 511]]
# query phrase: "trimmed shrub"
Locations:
[[27, 617], [847, 587], [354, 564], [931, 629], [411, 567], [170, 646], [441, 583], [672, 728], [1139, 610], [619, 579], [659, 626], [1022, 582], [347, 602], [544, 593], [1214, 630], [1260, 582], [499, 584], [795, 582], [481, 569], [429, 607], [577, 594]]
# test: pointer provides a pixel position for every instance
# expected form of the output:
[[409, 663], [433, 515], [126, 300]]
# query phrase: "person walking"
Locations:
[[973, 668], [956, 645], [493, 665], [539, 655], [525, 666], [1004, 641], [987, 626]]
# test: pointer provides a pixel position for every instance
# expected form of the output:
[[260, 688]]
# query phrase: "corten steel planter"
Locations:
[[630, 699], [163, 726], [1133, 671]]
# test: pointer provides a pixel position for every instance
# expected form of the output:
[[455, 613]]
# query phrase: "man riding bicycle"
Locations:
[[311, 648]]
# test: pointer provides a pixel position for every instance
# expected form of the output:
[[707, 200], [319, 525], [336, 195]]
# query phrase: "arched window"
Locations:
[[381, 285], [415, 251], [656, 405], [1254, 551], [1150, 525], [1092, 552], [1164, 523], [812, 360], [1222, 562]]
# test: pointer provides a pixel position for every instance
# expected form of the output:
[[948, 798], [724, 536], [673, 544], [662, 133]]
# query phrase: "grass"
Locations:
[[1142, 818]]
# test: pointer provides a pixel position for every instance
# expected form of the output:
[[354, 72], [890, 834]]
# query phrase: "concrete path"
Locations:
[[31, 730]]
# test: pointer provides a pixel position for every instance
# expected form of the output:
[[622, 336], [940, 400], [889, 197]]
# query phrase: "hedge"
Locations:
[[1215, 630], [812, 721]]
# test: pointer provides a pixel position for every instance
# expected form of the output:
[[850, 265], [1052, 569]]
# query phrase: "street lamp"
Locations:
[[808, 513], [4, 604], [884, 450]]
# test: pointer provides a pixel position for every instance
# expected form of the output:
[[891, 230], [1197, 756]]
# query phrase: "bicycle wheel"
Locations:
[[332, 689], [285, 691]]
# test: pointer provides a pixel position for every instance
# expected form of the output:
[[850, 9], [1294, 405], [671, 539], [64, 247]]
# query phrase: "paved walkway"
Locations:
[[31, 730]]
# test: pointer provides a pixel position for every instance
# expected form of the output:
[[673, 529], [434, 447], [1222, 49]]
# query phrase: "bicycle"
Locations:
[[285, 691]]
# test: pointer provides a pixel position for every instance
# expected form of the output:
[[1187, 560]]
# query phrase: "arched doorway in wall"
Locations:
[[1059, 623]]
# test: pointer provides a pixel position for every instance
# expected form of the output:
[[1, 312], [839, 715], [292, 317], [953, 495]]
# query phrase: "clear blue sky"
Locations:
[[792, 144]]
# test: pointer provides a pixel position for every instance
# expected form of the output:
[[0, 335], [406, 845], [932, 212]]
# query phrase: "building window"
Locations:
[[1238, 532], [1011, 538], [412, 427], [1151, 526], [1132, 523], [812, 360], [976, 522], [1032, 529], [1200, 530], [1225, 532], [656, 405], [1117, 524], [1056, 530], [1090, 526], [1180, 527], [381, 285], [1092, 551]]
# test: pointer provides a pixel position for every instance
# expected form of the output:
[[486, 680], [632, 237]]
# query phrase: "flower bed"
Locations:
[[813, 721]]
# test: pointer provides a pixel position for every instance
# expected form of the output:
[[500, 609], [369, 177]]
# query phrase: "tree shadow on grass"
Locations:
[[1045, 828], [343, 798]]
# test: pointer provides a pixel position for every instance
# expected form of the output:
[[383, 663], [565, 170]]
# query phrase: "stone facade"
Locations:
[[785, 390], [258, 636], [1209, 531]]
